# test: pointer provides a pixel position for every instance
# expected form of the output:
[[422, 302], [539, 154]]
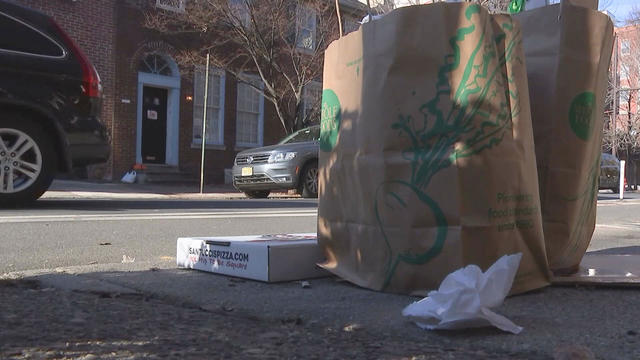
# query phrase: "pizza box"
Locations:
[[270, 258]]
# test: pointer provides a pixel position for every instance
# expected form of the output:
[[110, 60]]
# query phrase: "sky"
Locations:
[[619, 8]]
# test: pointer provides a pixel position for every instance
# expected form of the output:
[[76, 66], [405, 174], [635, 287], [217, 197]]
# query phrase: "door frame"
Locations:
[[172, 84]]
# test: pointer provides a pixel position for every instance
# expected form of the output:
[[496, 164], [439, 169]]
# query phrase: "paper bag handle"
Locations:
[[339, 16]]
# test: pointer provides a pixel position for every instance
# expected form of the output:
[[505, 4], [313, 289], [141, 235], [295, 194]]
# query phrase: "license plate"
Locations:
[[247, 171]]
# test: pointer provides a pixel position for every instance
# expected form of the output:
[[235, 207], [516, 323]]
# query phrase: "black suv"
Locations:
[[50, 101]]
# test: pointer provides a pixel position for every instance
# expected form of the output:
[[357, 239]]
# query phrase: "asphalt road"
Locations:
[[78, 231], [59, 233]]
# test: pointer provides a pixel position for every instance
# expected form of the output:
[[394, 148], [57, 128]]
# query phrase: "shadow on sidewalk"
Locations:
[[194, 315]]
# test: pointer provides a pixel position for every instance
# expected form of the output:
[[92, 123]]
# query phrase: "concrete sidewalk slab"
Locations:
[[75, 189], [599, 321]]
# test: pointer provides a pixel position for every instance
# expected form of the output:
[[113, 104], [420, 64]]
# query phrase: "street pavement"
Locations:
[[152, 309]]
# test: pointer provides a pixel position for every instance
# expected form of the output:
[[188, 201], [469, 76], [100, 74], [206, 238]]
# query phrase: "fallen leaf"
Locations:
[[352, 327]]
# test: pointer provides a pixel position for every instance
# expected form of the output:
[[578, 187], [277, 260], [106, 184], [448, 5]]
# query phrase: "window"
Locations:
[[240, 11], [171, 5], [215, 107], [624, 102], [311, 97], [311, 133], [25, 39], [624, 72], [625, 47], [306, 28], [249, 113], [155, 64]]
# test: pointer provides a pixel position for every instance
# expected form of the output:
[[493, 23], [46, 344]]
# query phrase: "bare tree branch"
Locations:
[[255, 36]]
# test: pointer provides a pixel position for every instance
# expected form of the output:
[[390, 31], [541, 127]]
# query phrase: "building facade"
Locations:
[[152, 107], [622, 132]]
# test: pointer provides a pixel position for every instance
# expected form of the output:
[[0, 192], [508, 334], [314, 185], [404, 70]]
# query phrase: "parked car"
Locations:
[[291, 164], [609, 173], [49, 105]]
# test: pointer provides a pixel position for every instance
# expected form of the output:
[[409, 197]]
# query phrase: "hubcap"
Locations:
[[312, 180], [20, 161]]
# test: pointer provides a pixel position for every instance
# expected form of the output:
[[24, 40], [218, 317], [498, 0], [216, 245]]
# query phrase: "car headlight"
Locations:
[[281, 156]]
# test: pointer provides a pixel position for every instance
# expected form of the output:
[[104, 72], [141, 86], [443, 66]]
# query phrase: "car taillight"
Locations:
[[90, 79]]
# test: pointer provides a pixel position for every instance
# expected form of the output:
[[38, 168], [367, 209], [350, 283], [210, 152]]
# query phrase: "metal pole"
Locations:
[[614, 101], [622, 163], [204, 123]]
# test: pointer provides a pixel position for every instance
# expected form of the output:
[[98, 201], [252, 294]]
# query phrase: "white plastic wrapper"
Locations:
[[465, 298]]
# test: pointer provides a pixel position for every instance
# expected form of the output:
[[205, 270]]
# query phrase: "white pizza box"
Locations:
[[270, 258]]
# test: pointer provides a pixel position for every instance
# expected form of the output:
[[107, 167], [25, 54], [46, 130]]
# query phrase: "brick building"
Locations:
[[624, 125], [152, 107]]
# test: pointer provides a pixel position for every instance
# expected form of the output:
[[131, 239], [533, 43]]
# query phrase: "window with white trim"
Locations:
[[215, 107], [624, 72], [249, 112], [305, 28], [311, 97], [171, 5], [624, 102], [625, 47]]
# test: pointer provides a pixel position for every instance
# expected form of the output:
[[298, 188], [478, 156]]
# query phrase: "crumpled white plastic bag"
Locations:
[[466, 296], [129, 177]]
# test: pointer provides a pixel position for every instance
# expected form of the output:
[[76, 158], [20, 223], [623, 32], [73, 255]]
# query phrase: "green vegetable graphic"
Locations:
[[461, 130]]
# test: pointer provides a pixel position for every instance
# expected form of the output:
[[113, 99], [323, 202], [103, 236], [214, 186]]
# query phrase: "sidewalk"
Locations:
[[154, 310], [140, 310], [73, 189]]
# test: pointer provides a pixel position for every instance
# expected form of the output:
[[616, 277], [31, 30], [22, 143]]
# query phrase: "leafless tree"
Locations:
[[267, 38]]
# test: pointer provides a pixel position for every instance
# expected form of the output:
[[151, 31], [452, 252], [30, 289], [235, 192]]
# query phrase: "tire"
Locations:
[[27, 160], [615, 190], [257, 194], [309, 180]]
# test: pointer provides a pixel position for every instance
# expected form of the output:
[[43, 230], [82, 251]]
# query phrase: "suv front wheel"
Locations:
[[309, 181], [27, 160]]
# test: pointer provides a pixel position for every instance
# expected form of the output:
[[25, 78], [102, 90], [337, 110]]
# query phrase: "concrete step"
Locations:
[[165, 174]]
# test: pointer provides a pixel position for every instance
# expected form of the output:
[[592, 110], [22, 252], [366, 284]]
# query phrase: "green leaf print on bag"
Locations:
[[444, 133], [329, 120], [581, 115]]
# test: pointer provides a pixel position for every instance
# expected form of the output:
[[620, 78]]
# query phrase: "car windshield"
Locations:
[[608, 160], [307, 134]]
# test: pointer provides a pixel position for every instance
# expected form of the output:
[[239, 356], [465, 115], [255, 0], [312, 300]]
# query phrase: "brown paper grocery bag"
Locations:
[[568, 50], [427, 161]]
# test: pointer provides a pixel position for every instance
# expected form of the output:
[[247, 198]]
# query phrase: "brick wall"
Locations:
[[91, 24], [133, 41]]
